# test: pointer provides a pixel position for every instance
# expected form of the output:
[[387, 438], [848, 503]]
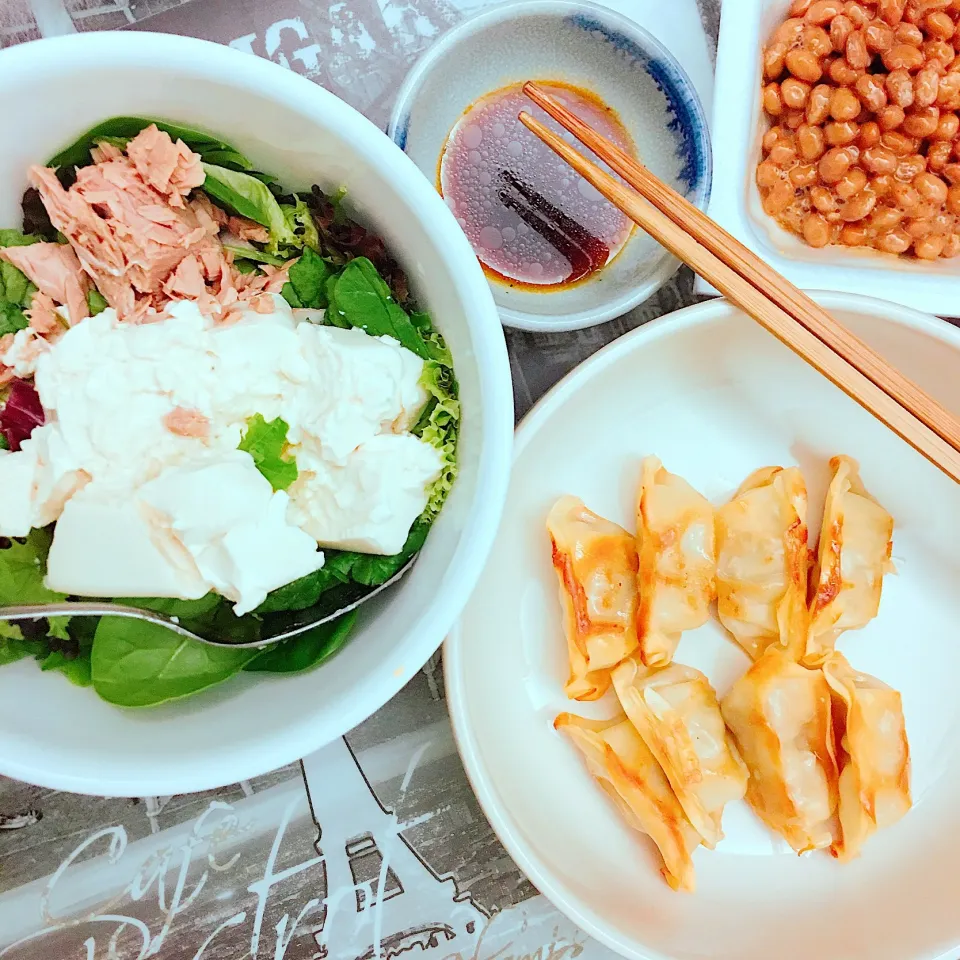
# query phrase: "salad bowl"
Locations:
[[59, 735]]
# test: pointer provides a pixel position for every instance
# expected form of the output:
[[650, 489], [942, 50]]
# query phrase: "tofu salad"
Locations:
[[218, 401]]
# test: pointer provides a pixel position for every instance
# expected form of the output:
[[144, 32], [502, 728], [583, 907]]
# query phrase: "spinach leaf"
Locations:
[[308, 278], [266, 443], [362, 298], [334, 316], [343, 568], [137, 664], [123, 129], [305, 592], [22, 568], [371, 570], [96, 302], [244, 194], [171, 607], [306, 651]]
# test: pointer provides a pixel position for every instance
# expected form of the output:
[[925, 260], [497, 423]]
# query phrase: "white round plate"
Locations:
[[715, 397]]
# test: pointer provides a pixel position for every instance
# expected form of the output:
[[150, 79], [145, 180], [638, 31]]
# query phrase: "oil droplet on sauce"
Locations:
[[530, 218]]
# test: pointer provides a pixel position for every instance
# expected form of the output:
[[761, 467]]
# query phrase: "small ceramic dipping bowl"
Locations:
[[635, 83]]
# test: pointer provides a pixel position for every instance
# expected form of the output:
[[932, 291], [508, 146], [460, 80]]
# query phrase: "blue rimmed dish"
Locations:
[[584, 46]]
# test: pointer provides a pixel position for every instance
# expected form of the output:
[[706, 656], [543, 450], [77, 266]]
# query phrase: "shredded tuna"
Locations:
[[202, 205], [105, 151], [187, 423], [142, 242], [248, 229], [55, 270], [262, 303], [43, 314], [172, 169], [187, 281], [125, 235]]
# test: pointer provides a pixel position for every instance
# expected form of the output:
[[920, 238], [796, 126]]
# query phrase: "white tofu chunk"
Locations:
[[107, 547]]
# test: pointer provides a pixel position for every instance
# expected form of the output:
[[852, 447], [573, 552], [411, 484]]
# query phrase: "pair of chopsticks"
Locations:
[[744, 279]]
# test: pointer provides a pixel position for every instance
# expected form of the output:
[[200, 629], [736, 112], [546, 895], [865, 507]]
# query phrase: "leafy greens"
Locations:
[[266, 443], [16, 291], [339, 268]]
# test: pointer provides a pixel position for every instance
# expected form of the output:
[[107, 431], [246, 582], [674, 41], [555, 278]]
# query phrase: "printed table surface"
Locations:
[[375, 845]]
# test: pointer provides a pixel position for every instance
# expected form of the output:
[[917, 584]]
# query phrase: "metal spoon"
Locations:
[[276, 626]]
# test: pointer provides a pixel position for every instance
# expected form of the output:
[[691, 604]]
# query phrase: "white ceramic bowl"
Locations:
[[738, 125], [593, 48], [716, 397], [57, 735]]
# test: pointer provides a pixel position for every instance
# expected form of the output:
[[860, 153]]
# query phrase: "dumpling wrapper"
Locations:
[[676, 545], [853, 556], [620, 762], [763, 562], [676, 713], [874, 755], [596, 565], [779, 713]]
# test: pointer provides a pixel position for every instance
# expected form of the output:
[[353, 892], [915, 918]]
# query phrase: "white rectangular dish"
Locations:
[[738, 126]]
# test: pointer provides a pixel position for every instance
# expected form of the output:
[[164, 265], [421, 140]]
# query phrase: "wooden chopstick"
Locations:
[[759, 291], [725, 246]]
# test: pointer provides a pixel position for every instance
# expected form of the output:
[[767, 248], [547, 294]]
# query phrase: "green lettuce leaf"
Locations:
[[16, 291], [434, 343], [266, 443], [252, 254], [306, 651], [14, 646], [249, 197], [439, 425], [22, 568], [301, 225], [58, 627], [12, 318]]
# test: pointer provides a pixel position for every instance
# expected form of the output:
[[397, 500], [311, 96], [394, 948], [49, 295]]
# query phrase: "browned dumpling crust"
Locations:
[[621, 763], [677, 573], [854, 555], [596, 565], [763, 562], [779, 712], [676, 713]]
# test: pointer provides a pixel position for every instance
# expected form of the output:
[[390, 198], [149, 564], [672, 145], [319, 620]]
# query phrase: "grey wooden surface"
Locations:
[[376, 845]]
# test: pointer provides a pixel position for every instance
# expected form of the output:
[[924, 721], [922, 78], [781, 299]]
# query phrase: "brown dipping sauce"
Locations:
[[532, 221]]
